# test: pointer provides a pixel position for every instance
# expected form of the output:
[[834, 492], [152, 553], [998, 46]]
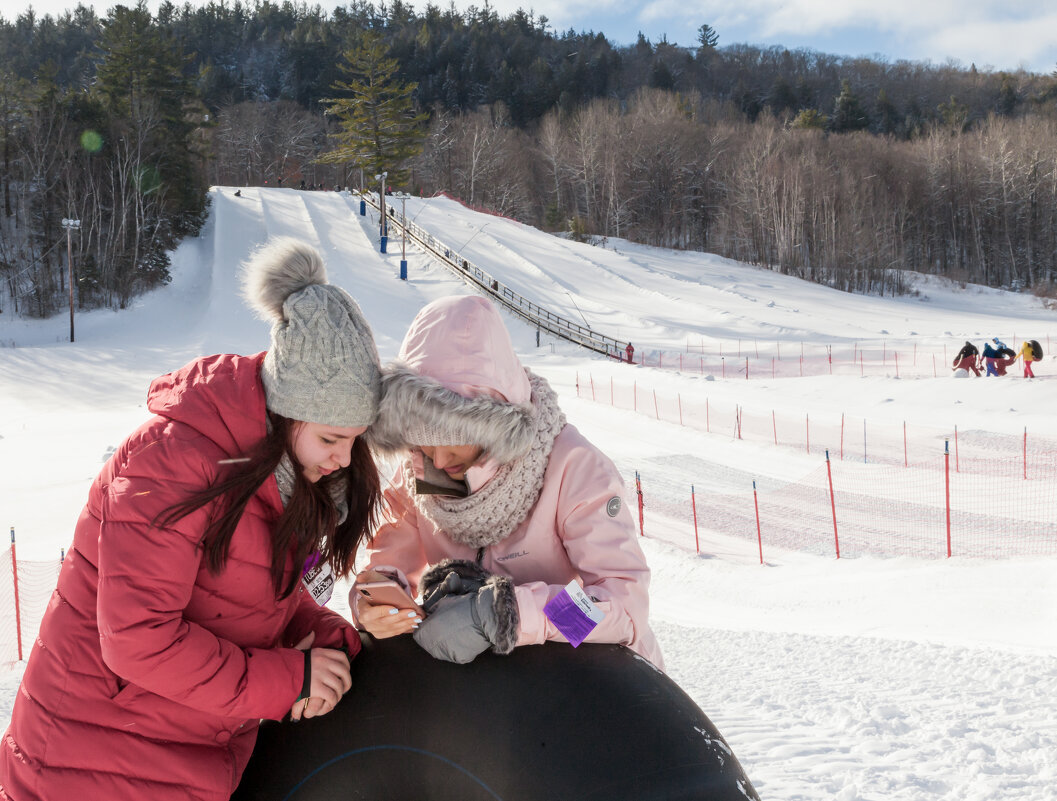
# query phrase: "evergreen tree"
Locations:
[[954, 115], [748, 101], [811, 120], [848, 113], [380, 128], [707, 39], [887, 115], [157, 175], [782, 97], [13, 108], [661, 77], [1007, 95], [143, 82]]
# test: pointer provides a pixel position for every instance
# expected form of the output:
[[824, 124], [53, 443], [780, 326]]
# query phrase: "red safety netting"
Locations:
[[846, 437], [887, 490], [21, 613], [752, 359]]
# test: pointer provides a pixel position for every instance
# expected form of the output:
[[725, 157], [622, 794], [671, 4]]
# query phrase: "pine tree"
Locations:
[[782, 97], [156, 176], [848, 113], [661, 77], [887, 115], [810, 119], [141, 79], [380, 127], [707, 39], [1007, 95], [955, 115]]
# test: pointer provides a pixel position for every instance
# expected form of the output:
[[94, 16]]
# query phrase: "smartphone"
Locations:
[[386, 593]]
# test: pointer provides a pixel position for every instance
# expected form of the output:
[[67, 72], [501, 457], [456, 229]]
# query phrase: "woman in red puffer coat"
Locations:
[[186, 609]]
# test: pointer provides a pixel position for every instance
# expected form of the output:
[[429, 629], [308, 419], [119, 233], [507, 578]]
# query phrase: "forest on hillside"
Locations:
[[845, 171]]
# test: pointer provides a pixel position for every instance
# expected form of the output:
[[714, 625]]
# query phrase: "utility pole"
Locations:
[[70, 225], [381, 203], [403, 234]]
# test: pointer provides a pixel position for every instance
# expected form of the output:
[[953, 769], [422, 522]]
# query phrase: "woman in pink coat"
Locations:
[[186, 609], [497, 503]]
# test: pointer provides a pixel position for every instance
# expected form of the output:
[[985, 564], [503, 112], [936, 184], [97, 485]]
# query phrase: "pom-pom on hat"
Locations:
[[322, 366]]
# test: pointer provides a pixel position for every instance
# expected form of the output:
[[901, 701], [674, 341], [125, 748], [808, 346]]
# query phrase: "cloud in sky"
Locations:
[[1004, 42], [1002, 34]]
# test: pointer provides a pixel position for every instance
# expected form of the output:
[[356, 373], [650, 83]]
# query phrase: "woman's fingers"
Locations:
[[331, 677], [297, 711], [387, 621], [314, 707]]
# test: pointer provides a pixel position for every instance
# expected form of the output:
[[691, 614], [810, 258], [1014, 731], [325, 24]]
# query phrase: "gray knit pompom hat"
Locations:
[[322, 366]]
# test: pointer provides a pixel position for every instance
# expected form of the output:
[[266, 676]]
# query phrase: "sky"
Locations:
[[995, 34], [862, 678]]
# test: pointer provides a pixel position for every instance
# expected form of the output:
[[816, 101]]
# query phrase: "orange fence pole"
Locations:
[[638, 490], [759, 536], [832, 505], [18, 611], [947, 490], [693, 504], [1025, 453]]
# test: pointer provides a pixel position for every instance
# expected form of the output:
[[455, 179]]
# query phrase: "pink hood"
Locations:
[[461, 343], [457, 381]]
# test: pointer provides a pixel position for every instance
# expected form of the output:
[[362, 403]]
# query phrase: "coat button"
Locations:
[[223, 737]]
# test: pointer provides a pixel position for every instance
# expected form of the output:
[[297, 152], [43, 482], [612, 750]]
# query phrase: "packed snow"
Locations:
[[855, 679]]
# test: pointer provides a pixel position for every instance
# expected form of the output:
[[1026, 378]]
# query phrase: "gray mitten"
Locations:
[[453, 584], [461, 626], [439, 581]]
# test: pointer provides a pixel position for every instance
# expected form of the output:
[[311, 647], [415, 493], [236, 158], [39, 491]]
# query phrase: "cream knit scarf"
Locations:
[[489, 515], [284, 477]]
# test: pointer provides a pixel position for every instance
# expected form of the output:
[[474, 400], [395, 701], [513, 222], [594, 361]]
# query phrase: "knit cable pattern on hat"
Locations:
[[322, 366]]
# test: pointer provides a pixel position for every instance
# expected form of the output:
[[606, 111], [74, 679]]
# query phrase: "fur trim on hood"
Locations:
[[497, 507], [419, 410]]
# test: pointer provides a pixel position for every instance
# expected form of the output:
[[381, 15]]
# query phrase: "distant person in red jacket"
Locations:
[[631, 353], [967, 359], [189, 606]]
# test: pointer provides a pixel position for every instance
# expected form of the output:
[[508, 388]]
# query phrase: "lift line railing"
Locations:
[[542, 318]]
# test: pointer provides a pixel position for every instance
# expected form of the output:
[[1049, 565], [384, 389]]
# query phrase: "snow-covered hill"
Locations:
[[832, 679]]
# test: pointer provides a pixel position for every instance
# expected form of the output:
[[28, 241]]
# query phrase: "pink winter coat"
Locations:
[[578, 528], [569, 534], [150, 674]]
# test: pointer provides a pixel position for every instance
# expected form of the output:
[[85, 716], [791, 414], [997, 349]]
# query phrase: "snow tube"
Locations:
[[597, 723]]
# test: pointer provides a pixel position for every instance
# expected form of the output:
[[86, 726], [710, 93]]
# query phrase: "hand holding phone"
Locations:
[[378, 589], [387, 593], [383, 606]]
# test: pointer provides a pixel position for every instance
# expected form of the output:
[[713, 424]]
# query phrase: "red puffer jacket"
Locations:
[[150, 673]]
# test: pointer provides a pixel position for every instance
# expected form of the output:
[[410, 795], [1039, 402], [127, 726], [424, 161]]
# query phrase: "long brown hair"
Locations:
[[309, 520]]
